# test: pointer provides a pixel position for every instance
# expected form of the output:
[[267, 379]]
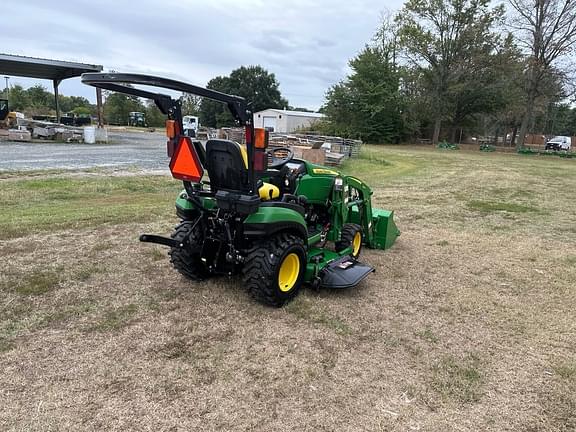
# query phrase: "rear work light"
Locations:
[[185, 164]]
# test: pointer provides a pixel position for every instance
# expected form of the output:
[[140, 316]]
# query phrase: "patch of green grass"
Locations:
[[34, 282], [458, 379], [83, 273], [305, 310], [36, 205], [115, 319], [427, 335], [495, 206], [156, 254], [510, 192], [376, 163], [25, 316], [6, 345], [375, 157], [442, 243], [102, 246], [571, 260], [174, 349], [66, 314], [11, 174], [566, 371]]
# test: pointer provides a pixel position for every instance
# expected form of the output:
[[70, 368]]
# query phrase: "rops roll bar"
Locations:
[[121, 82]]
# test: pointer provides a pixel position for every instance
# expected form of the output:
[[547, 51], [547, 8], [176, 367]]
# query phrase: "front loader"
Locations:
[[279, 221]]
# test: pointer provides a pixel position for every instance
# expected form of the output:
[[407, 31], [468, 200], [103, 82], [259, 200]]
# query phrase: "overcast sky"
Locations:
[[305, 43]]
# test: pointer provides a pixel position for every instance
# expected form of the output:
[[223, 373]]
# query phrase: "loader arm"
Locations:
[[378, 225]]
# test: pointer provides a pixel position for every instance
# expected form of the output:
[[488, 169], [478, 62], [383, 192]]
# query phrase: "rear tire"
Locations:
[[187, 260], [274, 269], [351, 235]]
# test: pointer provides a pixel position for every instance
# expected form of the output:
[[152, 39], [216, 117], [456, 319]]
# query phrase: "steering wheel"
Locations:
[[279, 156]]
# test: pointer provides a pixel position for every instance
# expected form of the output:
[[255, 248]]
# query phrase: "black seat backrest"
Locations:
[[225, 166]]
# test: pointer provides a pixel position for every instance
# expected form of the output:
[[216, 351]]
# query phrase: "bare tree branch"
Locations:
[[547, 30]]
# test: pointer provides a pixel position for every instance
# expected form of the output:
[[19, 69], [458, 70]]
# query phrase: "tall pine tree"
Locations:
[[367, 103]]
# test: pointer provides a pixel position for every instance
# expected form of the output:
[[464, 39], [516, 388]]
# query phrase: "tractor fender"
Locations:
[[186, 210], [269, 220]]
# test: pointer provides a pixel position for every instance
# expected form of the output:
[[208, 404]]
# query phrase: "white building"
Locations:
[[277, 120]]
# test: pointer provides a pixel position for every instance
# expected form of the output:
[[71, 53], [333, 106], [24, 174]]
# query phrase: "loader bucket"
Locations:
[[384, 229]]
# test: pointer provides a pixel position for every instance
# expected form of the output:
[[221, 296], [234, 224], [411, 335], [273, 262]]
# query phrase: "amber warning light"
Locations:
[[170, 129], [261, 138], [185, 164]]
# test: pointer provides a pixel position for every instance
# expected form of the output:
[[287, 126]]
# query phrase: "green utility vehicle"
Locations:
[[279, 221]]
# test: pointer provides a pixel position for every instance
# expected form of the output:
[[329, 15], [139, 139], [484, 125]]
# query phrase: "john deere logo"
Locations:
[[324, 171]]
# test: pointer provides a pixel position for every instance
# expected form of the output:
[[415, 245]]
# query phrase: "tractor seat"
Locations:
[[227, 165], [267, 191]]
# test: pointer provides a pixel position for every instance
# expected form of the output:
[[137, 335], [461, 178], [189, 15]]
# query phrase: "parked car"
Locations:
[[559, 143]]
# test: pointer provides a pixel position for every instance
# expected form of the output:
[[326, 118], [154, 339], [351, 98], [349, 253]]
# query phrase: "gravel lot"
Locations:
[[144, 150]]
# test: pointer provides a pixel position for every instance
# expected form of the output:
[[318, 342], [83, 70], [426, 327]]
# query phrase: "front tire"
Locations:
[[187, 260], [274, 269], [351, 235]]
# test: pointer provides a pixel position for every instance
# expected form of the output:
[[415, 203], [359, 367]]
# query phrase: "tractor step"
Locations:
[[344, 272]]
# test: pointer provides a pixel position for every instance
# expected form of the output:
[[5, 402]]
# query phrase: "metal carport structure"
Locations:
[[54, 70]]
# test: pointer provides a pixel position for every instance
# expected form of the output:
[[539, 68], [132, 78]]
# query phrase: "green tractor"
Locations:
[[259, 212]]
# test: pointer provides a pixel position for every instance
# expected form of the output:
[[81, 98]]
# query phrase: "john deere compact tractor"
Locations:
[[279, 221]]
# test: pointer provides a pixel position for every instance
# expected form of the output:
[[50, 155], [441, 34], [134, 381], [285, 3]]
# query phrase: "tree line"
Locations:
[[437, 69], [36, 100]]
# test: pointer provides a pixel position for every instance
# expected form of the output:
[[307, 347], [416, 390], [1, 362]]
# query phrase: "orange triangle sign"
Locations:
[[185, 164]]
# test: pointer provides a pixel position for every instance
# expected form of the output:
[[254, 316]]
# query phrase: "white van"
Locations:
[[559, 143], [191, 125]]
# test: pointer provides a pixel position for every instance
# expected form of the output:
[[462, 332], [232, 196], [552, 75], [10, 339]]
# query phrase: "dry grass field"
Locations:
[[469, 323]]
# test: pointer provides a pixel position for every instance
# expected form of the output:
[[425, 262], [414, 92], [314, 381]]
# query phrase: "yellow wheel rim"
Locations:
[[356, 243], [289, 271]]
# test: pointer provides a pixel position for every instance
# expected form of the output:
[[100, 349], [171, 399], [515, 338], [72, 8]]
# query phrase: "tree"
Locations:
[[254, 83], [154, 116], [339, 109], [448, 40], [82, 111], [18, 98], [547, 31], [301, 109], [507, 66], [39, 99], [558, 119], [190, 104], [213, 113], [118, 106], [367, 104]]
